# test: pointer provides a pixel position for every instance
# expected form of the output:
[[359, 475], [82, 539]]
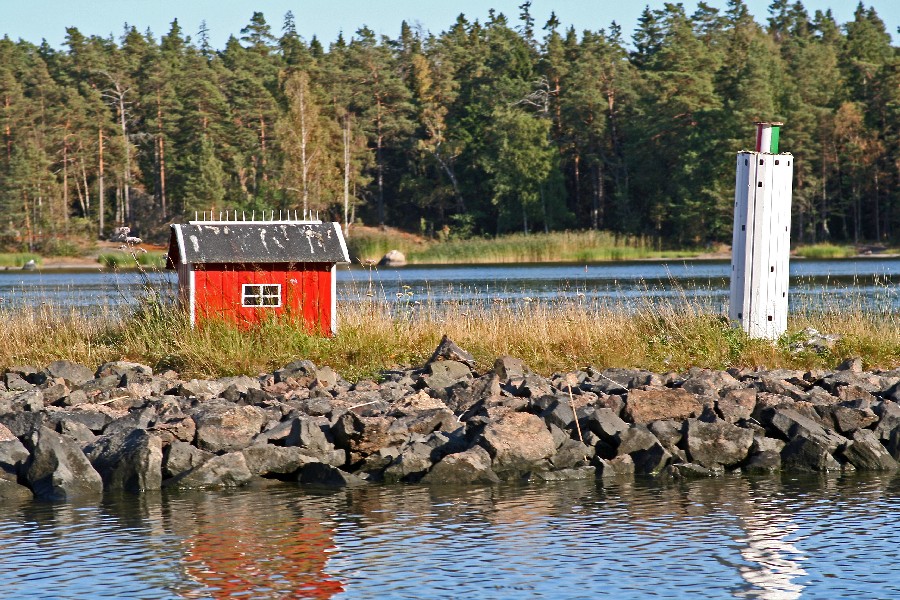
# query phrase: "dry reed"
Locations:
[[374, 334]]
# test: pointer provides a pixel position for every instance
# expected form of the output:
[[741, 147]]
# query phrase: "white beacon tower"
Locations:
[[760, 249]]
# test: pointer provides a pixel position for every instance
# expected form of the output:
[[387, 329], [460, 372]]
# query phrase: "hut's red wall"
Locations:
[[305, 292]]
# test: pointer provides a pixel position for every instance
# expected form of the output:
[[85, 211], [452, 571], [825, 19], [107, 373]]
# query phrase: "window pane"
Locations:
[[249, 295], [261, 295]]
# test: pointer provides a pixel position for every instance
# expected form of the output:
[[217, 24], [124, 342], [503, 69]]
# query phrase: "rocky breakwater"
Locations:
[[68, 431]]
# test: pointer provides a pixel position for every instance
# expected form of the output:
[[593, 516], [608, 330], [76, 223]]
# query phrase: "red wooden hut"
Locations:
[[246, 271]]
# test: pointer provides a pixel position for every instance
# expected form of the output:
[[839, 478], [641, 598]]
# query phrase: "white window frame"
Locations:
[[258, 293]]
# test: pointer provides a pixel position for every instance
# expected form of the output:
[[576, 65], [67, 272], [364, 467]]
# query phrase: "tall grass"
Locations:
[[824, 251], [375, 334], [18, 259], [582, 246]]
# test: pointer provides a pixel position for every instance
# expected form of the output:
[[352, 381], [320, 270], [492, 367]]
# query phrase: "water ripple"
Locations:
[[772, 538]]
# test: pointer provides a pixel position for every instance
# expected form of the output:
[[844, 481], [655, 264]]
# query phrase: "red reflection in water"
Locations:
[[244, 559]]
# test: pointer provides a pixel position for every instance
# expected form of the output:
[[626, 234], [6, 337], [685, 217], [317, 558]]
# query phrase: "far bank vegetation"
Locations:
[[480, 129]]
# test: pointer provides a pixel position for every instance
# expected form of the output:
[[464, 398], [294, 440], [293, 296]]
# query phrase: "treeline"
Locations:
[[485, 128]]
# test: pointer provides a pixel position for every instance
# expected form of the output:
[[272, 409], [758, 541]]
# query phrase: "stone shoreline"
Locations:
[[67, 431]]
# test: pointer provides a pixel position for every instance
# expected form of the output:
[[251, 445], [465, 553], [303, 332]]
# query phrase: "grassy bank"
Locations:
[[374, 335], [581, 246]]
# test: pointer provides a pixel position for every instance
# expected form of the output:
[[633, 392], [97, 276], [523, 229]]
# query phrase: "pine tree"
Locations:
[[677, 103], [162, 108], [434, 89], [867, 62], [251, 85], [382, 104], [293, 51], [206, 189], [205, 129], [599, 85]]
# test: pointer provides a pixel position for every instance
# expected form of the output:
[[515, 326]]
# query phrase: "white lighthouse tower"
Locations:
[[760, 248]]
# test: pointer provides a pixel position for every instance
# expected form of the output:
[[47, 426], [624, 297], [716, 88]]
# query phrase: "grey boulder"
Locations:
[[518, 442], [470, 466], [180, 457], [73, 374], [808, 454], [224, 426], [10, 491], [620, 466], [647, 453], [448, 350], [865, 452], [58, 469], [275, 461], [13, 455], [227, 470], [717, 444], [128, 461], [320, 474]]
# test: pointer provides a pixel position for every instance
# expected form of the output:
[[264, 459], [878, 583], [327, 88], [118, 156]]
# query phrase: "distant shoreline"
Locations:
[[92, 264]]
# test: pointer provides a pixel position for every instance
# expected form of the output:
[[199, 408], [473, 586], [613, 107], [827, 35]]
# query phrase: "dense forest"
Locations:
[[488, 127]]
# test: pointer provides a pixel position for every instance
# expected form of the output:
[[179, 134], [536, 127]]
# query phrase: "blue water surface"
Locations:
[[783, 537], [869, 282]]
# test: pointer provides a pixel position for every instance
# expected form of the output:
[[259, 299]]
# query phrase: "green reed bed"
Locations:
[[586, 246], [18, 259], [824, 251], [136, 260], [557, 335], [582, 246]]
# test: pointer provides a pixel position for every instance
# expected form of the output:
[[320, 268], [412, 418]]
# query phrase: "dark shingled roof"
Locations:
[[275, 242]]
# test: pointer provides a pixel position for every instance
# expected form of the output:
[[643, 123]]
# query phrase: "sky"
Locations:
[[35, 20]]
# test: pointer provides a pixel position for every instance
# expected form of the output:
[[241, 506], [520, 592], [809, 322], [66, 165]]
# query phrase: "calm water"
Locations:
[[871, 281], [731, 537]]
